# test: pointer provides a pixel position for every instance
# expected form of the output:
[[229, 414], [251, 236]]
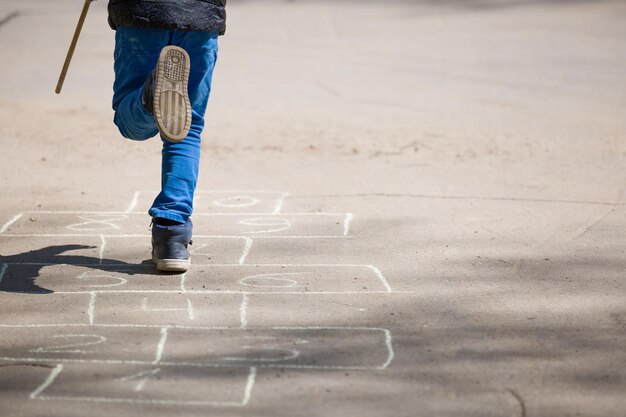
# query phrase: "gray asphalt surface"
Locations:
[[404, 209]]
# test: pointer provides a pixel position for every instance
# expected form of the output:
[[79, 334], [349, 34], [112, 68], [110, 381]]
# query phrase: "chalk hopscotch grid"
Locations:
[[348, 218]]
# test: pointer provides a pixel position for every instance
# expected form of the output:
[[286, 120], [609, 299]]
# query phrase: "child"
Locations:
[[165, 52]]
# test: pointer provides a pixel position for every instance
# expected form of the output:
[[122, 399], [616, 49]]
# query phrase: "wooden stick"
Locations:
[[70, 52]]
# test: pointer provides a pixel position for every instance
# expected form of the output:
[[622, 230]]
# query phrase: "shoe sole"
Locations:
[[172, 265], [172, 108]]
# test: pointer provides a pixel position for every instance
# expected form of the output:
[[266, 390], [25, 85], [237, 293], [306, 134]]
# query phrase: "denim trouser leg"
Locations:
[[136, 54]]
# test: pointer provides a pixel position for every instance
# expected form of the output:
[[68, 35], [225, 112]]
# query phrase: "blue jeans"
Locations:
[[136, 55]]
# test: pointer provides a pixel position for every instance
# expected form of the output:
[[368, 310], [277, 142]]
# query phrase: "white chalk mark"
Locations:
[[53, 375], [3, 270], [92, 307], [190, 311], [249, 385], [291, 354], [197, 249], [380, 276], [141, 402], [143, 378], [104, 223], [71, 347], [277, 224], [252, 280], [183, 277], [237, 201], [161, 346], [243, 311], [85, 276], [279, 204], [391, 354], [346, 223], [134, 202], [103, 244], [246, 250], [8, 224], [204, 292]]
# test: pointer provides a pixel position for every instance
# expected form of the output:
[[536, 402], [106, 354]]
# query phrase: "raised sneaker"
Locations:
[[166, 95]]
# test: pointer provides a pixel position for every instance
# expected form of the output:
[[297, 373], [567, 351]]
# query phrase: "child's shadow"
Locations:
[[22, 279]]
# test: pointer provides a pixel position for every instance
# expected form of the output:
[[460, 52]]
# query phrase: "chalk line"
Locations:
[[249, 385], [279, 204], [183, 327], [391, 353], [246, 250], [53, 375], [182, 282], [92, 307], [161, 345], [229, 292], [133, 202], [142, 382], [10, 222], [243, 311], [3, 270], [346, 223], [199, 365], [380, 276], [103, 245], [140, 402], [190, 311]]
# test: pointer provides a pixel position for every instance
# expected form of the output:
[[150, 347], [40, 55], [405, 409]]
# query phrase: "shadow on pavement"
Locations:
[[33, 261]]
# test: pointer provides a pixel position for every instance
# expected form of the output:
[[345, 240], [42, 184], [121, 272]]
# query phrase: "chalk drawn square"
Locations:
[[286, 278], [314, 348], [79, 343], [148, 385], [155, 308]]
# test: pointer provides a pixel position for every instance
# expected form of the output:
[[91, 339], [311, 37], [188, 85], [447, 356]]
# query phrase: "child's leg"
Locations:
[[136, 54], [181, 160]]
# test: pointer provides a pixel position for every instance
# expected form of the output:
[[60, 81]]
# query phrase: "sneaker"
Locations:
[[169, 245], [165, 94]]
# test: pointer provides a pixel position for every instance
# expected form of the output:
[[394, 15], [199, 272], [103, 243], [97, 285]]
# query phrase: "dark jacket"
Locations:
[[184, 15]]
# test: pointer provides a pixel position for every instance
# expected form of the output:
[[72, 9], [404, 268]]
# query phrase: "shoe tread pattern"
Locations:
[[172, 108]]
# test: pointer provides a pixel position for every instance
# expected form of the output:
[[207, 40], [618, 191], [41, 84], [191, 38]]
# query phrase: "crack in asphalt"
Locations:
[[35, 365], [520, 401], [8, 18]]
